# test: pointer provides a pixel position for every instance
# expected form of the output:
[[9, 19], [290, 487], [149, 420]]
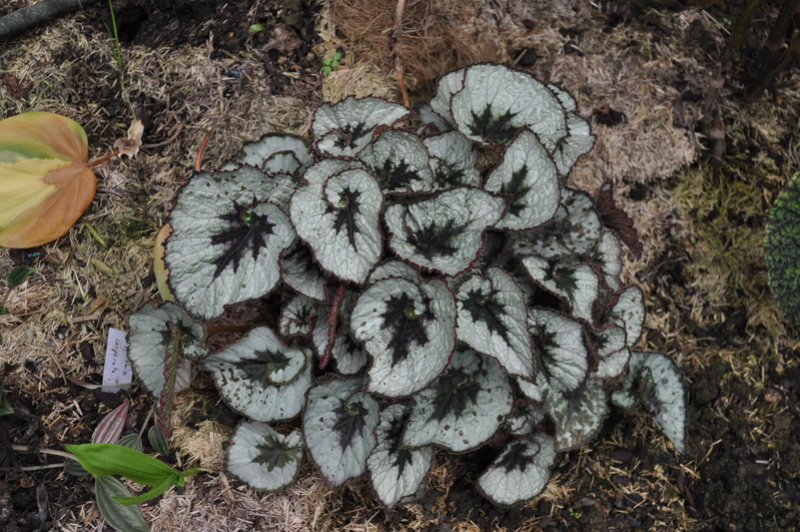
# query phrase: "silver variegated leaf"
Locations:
[[537, 390], [559, 342], [521, 472], [453, 160], [496, 102], [350, 358], [628, 312], [393, 268], [339, 427], [262, 458], [579, 139], [654, 380], [609, 257], [396, 472], [154, 331], [448, 85], [345, 128], [273, 153], [580, 226], [525, 420], [400, 162], [574, 231], [260, 377], [578, 415], [463, 408], [301, 273], [577, 284], [337, 214], [529, 177], [492, 319], [226, 242], [430, 121], [298, 316], [609, 346], [408, 328], [443, 233]]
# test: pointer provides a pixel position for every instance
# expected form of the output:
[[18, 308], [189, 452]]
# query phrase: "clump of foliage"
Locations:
[[439, 286], [782, 245]]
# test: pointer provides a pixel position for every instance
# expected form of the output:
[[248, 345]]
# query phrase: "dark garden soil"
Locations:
[[742, 468]]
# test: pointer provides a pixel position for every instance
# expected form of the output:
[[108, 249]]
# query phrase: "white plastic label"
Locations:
[[117, 369]]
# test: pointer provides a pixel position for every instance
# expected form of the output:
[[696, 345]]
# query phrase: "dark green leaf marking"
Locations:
[[275, 453], [396, 176], [246, 232], [516, 458], [407, 328], [564, 278], [456, 390], [517, 188], [436, 241], [349, 135], [266, 362], [447, 176], [393, 437], [497, 129], [487, 309], [350, 422], [346, 214]]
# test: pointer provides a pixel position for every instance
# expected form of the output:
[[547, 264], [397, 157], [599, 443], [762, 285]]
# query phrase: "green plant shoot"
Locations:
[[103, 459]]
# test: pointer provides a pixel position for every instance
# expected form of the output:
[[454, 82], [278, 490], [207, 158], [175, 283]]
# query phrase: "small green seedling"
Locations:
[[329, 63]]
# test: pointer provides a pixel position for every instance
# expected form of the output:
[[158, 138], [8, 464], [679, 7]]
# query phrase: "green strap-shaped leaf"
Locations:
[[103, 459]]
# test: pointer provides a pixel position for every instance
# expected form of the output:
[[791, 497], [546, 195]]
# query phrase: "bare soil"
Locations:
[[703, 273]]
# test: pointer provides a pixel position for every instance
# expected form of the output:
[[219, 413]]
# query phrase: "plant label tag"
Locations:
[[117, 369]]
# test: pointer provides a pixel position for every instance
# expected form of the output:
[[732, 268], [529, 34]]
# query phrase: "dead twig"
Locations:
[[38, 13]]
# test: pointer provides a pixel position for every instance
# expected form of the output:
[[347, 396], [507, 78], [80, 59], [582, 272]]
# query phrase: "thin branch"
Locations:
[[28, 17], [398, 65]]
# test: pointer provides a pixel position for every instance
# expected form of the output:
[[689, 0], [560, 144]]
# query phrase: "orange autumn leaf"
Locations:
[[45, 180]]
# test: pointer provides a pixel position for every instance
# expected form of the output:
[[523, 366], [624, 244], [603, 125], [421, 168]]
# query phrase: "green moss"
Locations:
[[782, 246]]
